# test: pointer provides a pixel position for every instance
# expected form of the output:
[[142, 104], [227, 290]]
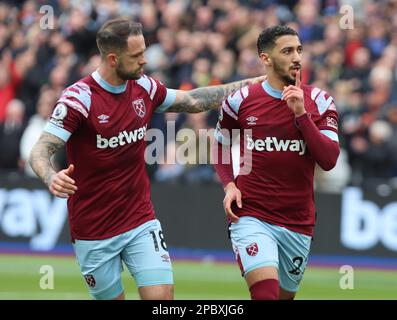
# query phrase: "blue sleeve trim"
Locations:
[[57, 131], [145, 83], [220, 137], [168, 101], [235, 100], [330, 134]]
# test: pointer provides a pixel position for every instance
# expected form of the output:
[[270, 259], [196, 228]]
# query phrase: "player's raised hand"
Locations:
[[298, 78], [232, 194], [61, 184], [294, 96]]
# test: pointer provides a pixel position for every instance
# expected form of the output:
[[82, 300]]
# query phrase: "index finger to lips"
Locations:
[[298, 78]]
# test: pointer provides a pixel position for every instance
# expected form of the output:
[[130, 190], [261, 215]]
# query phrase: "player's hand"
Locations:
[[232, 194], [61, 184], [294, 96]]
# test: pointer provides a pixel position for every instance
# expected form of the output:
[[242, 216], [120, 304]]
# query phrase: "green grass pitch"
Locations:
[[20, 279]]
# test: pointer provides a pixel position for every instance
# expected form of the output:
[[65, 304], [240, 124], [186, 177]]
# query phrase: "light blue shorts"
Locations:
[[259, 244], [143, 251]]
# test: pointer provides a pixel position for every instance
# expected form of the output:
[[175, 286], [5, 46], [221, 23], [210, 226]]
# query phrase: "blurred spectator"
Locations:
[[211, 42], [35, 127], [10, 135], [359, 68], [310, 28], [390, 115], [9, 81], [377, 156], [336, 179]]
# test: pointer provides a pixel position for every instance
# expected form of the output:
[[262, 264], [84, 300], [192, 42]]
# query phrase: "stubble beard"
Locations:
[[124, 75], [285, 77]]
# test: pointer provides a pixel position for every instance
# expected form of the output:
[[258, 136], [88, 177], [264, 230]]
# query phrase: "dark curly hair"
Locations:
[[267, 38]]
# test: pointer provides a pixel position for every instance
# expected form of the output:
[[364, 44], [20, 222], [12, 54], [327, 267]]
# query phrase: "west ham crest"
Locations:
[[252, 249], [89, 278], [139, 107]]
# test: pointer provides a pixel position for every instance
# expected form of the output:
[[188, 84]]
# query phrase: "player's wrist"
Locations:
[[230, 185], [300, 113], [49, 178]]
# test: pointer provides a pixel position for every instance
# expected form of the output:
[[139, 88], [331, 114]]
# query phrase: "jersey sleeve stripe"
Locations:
[[322, 104], [153, 88], [330, 134], [83, 98], [228, 110], [145, 83], [234, 100], [75, 105], [57, 131], [220, 137], [168, 101], [150, 87], [244, 92], [315, 93]]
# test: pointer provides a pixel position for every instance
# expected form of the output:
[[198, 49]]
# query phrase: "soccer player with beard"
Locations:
[[287, 129], [103, 119]]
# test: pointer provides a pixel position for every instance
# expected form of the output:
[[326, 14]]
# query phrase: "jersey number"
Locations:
[[162, 242], [297, 261]]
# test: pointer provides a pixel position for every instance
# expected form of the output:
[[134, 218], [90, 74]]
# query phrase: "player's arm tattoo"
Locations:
[[40, 156], [204, 99]]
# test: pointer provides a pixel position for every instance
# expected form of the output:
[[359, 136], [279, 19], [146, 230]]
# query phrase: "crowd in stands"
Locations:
[[193, 43]]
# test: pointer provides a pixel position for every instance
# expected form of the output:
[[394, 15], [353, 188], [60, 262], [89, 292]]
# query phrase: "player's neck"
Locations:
[[110, 76], [276, 83]]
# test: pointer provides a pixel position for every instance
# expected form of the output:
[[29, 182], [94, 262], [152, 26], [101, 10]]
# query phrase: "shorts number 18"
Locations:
[[162, 242]]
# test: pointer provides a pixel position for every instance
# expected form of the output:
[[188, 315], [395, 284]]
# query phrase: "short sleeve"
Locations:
[[227, 121], [161, 96], [328, 121], [70, 110]]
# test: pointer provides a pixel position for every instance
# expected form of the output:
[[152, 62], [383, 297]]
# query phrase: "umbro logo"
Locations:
[[252, 120], [103, 118]]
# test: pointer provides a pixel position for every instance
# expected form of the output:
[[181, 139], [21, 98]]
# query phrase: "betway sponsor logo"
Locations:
[[365, 224], [124, 137], [273, 144]]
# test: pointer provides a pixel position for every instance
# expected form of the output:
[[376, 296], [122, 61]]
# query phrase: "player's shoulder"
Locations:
[[149, 84], [236, 99], [85, 84], [320, 100], [78, 96]]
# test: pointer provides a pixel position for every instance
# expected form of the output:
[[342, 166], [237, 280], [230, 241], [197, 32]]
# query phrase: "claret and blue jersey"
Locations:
[[278, 187], [104, 128]]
